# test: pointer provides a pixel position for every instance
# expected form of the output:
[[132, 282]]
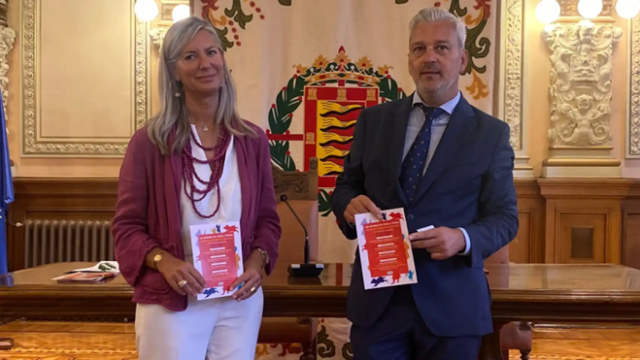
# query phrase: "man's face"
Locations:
[[436, 58]]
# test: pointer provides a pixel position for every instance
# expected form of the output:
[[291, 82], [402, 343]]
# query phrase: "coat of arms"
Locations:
[[334, 93]]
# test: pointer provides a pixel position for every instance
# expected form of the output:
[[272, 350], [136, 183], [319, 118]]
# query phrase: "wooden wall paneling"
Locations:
[[568, 221], [520, 248], [584, 235], [528, 245], [95, 199], [631, 228], [631, 232], [56, 198], [551, 213], [583, 219]]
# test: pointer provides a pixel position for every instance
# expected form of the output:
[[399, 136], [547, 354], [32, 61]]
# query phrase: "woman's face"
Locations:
[[200, 67]]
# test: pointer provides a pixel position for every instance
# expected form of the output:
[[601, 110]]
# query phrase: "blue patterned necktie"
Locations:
[[414, 162]]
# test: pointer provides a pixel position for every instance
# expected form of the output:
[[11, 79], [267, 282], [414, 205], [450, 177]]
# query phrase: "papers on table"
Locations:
[[85, 277], [217, 255], [102, 266], [385, 250], [102, 271]]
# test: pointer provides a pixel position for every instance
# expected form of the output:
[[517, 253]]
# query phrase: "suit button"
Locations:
[[411, 217]]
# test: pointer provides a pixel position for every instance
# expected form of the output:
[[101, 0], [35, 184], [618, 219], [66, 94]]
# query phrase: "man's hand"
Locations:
[[361, 205], [441, 242]]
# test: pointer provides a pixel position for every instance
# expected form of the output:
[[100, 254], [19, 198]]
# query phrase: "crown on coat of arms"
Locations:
[[360, 72]]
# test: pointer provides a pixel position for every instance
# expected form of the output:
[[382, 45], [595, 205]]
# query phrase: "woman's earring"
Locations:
[[177, 93]]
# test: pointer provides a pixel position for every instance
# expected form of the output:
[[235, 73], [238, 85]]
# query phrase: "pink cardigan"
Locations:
[[148, 212]]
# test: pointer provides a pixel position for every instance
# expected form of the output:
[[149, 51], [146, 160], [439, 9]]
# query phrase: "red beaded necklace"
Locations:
[[216, 163]]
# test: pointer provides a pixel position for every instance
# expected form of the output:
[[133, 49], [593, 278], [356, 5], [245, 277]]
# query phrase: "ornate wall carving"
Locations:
[[157, 35], [580, 90], [633, 71], [512, 75], [166, 20], [7, 39], [32, 143], [569, 9]]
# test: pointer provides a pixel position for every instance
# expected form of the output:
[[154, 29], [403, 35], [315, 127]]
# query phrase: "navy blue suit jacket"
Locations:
[[468, 183]]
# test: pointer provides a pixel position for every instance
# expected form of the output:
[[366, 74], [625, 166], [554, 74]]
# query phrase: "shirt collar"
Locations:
[[448, 107]]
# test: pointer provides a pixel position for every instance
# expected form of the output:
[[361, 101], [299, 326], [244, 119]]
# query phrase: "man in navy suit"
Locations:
[[449, 165]]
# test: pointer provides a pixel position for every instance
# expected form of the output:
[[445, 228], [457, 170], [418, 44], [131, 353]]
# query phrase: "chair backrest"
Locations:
[[297, 185], [301, 189], [499, 257], [498, 279], [291, 247]]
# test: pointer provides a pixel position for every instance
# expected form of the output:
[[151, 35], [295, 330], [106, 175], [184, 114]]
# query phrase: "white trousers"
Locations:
[[218, 329]]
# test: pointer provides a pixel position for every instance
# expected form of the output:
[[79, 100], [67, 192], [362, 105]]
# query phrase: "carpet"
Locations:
[[571, 357]]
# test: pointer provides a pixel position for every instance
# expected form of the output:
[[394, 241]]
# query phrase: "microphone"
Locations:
[[306, 269]]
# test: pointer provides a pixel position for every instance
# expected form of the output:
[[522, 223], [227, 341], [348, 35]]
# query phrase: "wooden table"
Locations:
[[520, 292]]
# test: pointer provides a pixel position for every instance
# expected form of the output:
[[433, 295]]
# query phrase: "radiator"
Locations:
[[51, 241]]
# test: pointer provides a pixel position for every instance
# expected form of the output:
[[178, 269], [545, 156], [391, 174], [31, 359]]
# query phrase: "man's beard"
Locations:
[[435, 92]]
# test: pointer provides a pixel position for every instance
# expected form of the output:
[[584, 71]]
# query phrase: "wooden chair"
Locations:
[[515, 335]]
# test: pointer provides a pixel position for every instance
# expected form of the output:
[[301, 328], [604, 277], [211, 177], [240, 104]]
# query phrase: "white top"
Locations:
[[231, 206]]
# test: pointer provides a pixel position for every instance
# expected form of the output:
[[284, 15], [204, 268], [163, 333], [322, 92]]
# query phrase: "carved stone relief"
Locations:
[[512, 94], [7, 39], [569, 9], [633, 122], [296, 185], [157, 35], [166, 20], [580, 91]]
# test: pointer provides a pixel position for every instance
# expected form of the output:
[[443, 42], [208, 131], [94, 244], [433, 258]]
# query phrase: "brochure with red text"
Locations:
[[385, 250], [82, 277], [217, 255]]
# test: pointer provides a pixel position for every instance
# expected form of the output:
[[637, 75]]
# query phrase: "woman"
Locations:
[[196, 162]]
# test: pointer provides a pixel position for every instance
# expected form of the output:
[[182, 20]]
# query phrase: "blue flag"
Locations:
[[6, 189]]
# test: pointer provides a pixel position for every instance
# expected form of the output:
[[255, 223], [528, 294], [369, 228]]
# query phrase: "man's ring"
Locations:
[[253, 289], [182, 283]]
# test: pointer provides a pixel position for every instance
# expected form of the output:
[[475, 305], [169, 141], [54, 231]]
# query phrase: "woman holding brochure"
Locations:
[[196, 223]]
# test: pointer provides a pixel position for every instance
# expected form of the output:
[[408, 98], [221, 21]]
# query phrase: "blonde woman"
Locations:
[[196, 162]]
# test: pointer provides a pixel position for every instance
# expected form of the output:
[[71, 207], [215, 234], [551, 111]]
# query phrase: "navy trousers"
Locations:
[[400, 334]]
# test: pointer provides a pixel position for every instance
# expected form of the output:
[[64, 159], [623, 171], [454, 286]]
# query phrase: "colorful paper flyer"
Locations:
[[217, 255], [385, 250], [81, 277]]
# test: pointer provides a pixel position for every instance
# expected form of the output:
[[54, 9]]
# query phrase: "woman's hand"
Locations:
[[182, 276], [251, 278]]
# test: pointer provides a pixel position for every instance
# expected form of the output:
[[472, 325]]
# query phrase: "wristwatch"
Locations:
[[157, 259], [265, 257]]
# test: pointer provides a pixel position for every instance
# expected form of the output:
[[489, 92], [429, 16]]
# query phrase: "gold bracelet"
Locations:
[[264, 256]]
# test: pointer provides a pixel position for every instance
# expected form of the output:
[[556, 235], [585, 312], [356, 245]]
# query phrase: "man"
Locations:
[[449, 165]]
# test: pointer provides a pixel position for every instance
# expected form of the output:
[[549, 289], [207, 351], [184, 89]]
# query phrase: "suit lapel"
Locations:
[[396, 127], [461, 124]]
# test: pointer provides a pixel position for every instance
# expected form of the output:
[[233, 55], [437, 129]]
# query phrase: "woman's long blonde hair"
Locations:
[[173, 112]]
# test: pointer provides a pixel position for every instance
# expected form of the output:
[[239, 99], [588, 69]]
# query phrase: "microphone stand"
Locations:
[[306, 269]]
